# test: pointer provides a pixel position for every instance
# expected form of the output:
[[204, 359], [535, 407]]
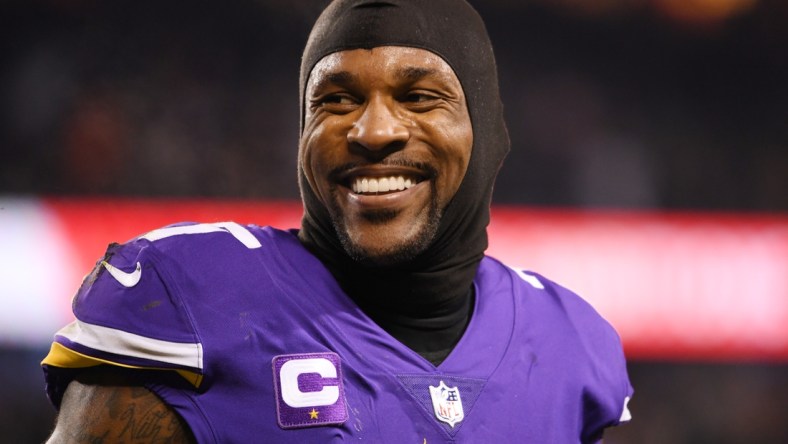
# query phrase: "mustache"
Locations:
[[428, 170]]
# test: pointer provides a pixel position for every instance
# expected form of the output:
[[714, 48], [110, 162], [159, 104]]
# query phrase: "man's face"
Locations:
[[386, 143]]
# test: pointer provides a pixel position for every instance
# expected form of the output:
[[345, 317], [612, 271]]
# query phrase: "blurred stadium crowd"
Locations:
[[628, 103], [634, 104]]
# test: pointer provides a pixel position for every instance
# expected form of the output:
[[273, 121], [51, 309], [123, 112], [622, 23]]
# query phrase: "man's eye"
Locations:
[[338, 99], [422, 101], [334, 103], [419, 98]]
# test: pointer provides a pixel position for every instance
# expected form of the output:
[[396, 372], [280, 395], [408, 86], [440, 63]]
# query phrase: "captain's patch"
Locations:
[[309, 390]]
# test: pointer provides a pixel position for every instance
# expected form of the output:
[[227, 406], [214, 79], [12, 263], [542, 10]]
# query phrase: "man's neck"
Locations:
[[427, 310], [433, 335]]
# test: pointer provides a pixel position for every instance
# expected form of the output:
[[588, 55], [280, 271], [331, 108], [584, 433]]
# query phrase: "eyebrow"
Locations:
[[347, 78], [413, 73], [341, 78]]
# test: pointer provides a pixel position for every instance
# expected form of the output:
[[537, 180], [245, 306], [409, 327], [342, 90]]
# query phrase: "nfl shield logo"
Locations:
[[447, 404]]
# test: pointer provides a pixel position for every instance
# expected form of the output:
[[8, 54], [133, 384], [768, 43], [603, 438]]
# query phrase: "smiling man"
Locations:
[[380, 320], [386, 142]]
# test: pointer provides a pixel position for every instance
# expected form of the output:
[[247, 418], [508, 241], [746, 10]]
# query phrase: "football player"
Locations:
[[380, 320]]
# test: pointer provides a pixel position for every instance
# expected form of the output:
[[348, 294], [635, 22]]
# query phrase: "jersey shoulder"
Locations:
[[574, 326], [133, 309], [545, 294], [140, 286]]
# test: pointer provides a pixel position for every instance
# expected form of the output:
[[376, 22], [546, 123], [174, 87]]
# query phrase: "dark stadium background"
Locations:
[[685, 100]]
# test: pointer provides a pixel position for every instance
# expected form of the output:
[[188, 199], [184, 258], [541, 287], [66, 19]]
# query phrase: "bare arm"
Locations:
[[104, 408]]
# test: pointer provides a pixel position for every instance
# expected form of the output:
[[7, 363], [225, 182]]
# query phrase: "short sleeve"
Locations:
[[600, 365], [128, 314]]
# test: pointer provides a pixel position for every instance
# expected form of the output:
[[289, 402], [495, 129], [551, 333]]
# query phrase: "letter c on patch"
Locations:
[[292, 394]]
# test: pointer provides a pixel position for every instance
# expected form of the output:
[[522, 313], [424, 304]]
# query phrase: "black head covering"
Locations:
[[454, 31]]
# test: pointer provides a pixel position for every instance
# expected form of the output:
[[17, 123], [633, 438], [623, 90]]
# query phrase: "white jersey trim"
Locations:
[[533, 280], [625, 414], [237, 231], [120, 342]]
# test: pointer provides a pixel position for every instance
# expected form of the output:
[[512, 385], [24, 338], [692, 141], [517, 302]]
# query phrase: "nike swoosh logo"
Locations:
[[128, 280]]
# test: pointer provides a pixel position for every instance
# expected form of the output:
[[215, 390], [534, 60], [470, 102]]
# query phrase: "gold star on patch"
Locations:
[[313, 414]]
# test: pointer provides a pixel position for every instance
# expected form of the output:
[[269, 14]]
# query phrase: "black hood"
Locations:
[[454, 31]]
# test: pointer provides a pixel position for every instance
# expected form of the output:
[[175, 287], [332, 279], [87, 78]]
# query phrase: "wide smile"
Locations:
[[381, 181], [382, 185]]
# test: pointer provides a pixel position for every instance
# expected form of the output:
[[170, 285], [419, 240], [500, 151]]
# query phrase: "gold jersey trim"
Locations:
[[64, 357]]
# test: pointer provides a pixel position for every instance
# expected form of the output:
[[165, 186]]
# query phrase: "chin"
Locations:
[[378, 257], [385, 238], [375, 252]]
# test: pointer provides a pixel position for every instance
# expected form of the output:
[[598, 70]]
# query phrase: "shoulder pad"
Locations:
[[128, 316]]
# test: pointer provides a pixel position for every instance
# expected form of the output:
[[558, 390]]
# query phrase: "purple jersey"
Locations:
[[274, 351]]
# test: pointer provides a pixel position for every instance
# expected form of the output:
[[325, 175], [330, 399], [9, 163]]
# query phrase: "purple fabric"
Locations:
[[155, 300], [534, 366]]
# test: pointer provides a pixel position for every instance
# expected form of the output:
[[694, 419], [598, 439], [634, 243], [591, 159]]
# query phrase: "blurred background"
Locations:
[[655, 106]]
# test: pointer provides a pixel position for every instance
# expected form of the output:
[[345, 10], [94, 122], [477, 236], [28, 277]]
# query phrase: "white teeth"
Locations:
[[381, 184]]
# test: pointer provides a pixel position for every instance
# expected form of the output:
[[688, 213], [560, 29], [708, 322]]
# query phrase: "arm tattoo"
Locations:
[[128, 414], [146, 421]]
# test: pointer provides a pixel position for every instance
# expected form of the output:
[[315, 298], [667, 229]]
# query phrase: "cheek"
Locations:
[[464, 147], [309, 159], [456, 155], [319, 149]]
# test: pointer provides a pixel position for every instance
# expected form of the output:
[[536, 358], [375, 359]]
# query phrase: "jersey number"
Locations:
[[237, 231]]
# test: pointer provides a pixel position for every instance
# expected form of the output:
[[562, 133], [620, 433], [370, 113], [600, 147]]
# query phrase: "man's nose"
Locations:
[[379, 128]]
